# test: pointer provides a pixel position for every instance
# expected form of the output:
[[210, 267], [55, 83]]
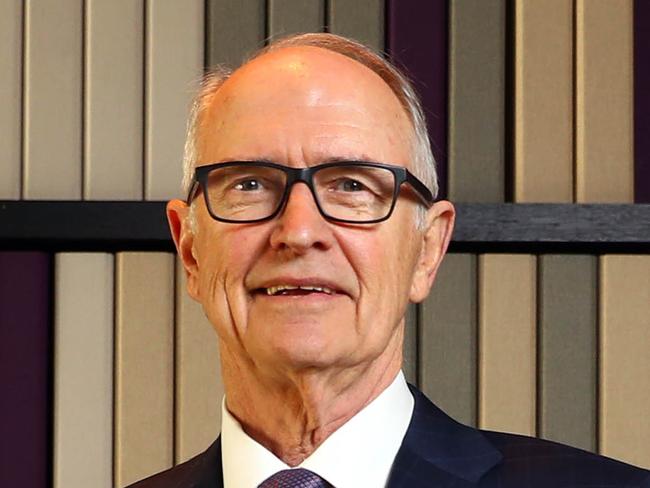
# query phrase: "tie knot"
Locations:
[[295, 478]]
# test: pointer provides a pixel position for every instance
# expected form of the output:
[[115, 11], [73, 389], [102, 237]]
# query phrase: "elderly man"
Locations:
[[310, 225]]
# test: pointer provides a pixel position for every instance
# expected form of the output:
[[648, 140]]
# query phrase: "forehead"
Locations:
[[304, 99]]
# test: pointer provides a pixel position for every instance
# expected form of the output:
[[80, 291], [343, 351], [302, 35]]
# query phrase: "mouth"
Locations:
[[301, 290]]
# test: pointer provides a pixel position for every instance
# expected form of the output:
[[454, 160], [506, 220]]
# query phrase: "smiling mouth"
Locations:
[[289, 290]]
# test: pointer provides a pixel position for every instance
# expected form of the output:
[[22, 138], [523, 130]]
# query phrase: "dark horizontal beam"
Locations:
[[111, 226]]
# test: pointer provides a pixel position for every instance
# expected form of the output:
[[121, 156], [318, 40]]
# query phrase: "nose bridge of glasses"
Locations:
[[304, 176]]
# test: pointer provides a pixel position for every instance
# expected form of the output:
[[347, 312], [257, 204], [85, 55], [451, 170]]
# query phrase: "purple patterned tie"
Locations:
[[295, 478]]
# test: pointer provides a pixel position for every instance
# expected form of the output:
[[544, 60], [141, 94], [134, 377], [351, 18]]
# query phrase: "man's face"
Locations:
[[302, 107]]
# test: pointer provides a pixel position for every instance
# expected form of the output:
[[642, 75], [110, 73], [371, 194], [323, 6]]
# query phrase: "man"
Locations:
[[311, 223]]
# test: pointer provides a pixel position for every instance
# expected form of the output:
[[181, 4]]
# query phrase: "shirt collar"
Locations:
[[359, 453]]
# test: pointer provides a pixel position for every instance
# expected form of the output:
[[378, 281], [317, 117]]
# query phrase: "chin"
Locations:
[[295, 353]]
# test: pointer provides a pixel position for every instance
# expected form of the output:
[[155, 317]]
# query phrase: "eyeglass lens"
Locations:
[[248, 192]]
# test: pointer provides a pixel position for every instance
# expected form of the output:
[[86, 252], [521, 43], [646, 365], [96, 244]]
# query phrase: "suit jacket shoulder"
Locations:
[[202, 471], [438, 451]]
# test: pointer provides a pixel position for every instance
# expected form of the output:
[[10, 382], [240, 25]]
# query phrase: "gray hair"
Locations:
[[423, 160]]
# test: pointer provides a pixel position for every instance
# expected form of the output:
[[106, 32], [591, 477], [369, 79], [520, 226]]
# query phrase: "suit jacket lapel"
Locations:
[[206, 470], [438, 451]]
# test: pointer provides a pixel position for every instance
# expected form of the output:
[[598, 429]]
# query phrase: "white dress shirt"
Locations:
[[360, 453]]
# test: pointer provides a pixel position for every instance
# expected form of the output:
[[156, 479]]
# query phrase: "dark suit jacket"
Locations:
[[439, 452]]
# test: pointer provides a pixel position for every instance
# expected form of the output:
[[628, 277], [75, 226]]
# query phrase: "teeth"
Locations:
[[274, 290]]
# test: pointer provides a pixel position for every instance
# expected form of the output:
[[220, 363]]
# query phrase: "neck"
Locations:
[[292, 414]]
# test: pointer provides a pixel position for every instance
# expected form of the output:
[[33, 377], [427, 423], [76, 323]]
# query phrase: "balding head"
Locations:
[[301, 58]]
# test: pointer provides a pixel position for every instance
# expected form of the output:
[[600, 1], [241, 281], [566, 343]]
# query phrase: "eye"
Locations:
[[350, 185], [248, 185]]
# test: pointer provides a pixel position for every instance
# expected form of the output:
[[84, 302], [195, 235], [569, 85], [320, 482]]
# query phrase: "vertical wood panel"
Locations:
[[83, 371], [25, 358], [448, 338], [625, 358], [477, 100], [174, 64], [417, 42], [113, 100], [234, 29], [641, 102], [144, 369], [568, 315], [294, 16], [507, 356], [410, 364], [199, 388], [543, 101], [604, 101], [52, 100], [362, 20], [11, 66]]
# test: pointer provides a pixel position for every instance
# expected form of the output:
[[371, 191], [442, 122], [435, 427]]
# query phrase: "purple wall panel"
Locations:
[[25, 362], [641, 101], [417, 41]]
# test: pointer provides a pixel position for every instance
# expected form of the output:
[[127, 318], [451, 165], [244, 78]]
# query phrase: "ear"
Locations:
[[435, 240], [183, 235]]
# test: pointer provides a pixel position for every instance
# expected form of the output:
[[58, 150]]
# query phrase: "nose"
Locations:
[[301, 226]]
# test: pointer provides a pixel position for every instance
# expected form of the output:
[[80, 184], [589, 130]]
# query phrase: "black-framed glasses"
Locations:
[[356, 192]]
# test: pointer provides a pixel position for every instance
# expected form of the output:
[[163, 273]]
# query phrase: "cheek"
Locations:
[[223, 263]]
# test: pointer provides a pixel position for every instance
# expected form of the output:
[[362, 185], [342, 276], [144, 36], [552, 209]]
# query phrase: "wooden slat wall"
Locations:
[[507, 343], [198, 384], [477, 106], [625, 358], [362, 20], [11, 67], [416, 39], [641, 101], [113, 99], [410, 365], [174, 64], [604, 101], [568, 314], [53, 79], [234, 28], [25, 375], [543, 93], [74, 125], [144, 366], [295, 16], [83, 370], [473, 331], [448, 339]]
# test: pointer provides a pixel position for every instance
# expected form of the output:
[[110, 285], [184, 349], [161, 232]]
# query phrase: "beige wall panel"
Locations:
[[235, 28], [199, 387], [477, 108], [144, 342], [410, 350], [294, 16], [604, 101], [362, 20], [113, 100], [568, 316], [543, 101], [11, 67], [625, 358], [448, 338], [174, 65], [507, 342], [83, 371], [52, 100]]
